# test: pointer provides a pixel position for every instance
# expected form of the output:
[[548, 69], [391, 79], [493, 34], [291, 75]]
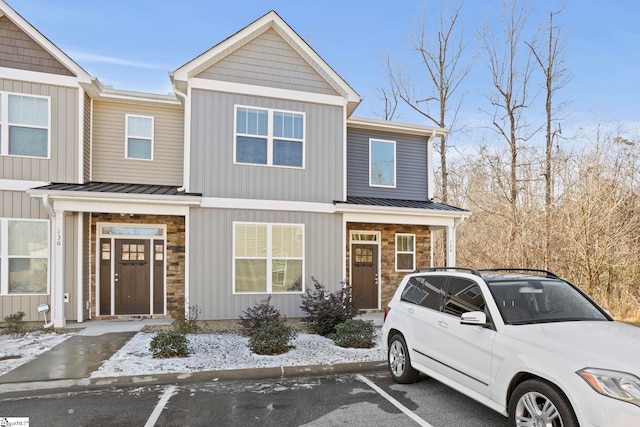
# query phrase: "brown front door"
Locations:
[[132, 276], [364, 273]]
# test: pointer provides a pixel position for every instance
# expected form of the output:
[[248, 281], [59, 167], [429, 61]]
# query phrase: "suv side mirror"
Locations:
[[473, 318]]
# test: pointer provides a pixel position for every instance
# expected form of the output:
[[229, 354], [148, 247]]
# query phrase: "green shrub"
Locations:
[[188, 324], [325, 310], [271, 337], [355, 334], [169, 344], [15, 324], [256, 316]]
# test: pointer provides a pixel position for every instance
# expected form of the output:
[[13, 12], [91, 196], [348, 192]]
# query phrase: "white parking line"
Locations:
[[168, 392], [393, 401]]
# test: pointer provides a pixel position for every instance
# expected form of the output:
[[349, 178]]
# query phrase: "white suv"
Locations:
[[525, 343]]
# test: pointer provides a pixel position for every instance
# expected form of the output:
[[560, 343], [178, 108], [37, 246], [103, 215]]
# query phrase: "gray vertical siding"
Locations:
[[18, 50], [63, 164], [271, 62], [411, 166], [14, 204], [108, 139], [86, 138], [211, 259], [214, 174]]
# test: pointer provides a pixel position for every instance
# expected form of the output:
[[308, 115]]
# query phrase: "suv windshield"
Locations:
[[533, 300]]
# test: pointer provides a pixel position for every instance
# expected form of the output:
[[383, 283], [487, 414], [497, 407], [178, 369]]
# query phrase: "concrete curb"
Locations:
[[231, 374]]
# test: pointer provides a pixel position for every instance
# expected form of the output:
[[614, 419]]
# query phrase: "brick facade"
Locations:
[[175, 255], [390, 278]]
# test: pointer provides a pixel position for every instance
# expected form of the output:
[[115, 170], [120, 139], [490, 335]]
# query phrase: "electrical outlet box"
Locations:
[[66, 297]]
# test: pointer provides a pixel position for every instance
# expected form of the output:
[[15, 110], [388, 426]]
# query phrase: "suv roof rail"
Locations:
[[546, 273], [465, 269]]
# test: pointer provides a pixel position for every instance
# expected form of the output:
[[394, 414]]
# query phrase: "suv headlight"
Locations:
[[614, 384]]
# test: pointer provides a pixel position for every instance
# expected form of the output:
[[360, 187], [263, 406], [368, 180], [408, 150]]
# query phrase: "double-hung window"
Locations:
[[139, 139], [269, 137], [24, 125], [405, 252], [382, 163], [24, 256], [268, 258]]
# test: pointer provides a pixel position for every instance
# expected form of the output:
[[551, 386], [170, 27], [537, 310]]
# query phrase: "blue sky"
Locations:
[[132, 44]]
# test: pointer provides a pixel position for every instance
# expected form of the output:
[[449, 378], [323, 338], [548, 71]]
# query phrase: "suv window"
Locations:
[[426, 291], [462, 296]]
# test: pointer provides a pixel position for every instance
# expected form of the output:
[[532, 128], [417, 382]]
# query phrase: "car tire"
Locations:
[[399, 361], [528, 399]]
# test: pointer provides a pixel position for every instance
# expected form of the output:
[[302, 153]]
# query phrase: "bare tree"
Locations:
[[555, 79], [511, 70], [446, 68]]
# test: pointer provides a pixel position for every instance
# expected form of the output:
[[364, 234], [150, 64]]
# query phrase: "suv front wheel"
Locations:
[[400, 362], [536, 403]]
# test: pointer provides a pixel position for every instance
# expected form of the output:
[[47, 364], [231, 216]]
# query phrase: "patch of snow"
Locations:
[[14, 351], [211, 352]]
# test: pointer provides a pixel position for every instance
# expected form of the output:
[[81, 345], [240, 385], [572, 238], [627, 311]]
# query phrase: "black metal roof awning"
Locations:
[[117, 188], [397, 203]]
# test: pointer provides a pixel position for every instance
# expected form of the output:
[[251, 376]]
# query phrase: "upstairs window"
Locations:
[[382, 163], [269, 137], [139, 143], [24, 125]]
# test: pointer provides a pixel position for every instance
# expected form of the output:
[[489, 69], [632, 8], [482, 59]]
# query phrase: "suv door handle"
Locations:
[[443, 323], [410, 311]]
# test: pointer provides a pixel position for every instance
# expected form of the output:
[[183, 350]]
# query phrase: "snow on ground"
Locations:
[[14, 351], [211, 352]]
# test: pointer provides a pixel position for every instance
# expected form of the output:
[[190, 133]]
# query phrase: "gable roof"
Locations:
[[271, 20], [45, 43]]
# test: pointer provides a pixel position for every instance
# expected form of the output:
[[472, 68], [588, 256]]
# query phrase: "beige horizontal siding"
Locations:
[[108, 145]]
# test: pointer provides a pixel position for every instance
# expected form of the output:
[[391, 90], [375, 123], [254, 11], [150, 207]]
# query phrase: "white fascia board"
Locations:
[[109, 206], [45, 43], [20, 185], [139, 97], [267, 205], [381, 218], [406, 128], [267, 92], [37, 77], [400, 212], [83, 197]]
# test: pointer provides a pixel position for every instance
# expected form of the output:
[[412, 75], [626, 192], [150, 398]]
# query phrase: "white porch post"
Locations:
[[451, 245], [57, 273]]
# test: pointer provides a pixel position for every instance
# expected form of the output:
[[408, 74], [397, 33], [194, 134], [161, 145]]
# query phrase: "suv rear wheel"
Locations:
[[536, 403], [399, 361]]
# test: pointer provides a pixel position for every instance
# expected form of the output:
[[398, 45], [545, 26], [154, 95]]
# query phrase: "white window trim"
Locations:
[[270, 137], [269, 257], [4, 257], [395, 163], [412, 252], [4, 124], [126, 137]]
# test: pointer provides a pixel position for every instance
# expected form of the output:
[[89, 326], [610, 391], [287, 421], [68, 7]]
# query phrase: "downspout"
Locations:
[[186, 144], [52, 214]]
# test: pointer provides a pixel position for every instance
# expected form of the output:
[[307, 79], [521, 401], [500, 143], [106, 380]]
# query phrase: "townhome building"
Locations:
[[253, 178]]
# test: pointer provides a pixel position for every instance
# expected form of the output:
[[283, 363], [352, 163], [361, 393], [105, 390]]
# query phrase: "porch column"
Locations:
[[451, 245], [57, 271]]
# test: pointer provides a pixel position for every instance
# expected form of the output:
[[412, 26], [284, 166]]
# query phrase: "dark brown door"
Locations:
[[132, 276], [364, 273]]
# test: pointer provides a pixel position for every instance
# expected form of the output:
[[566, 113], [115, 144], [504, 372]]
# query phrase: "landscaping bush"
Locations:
[[256, 316], [188, 324], [326, 309], [15, 324], [354, 334], [169, 344], [271, 337]]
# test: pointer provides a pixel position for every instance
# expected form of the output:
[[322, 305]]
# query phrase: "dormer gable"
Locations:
[[269, 53], [23, 47]]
